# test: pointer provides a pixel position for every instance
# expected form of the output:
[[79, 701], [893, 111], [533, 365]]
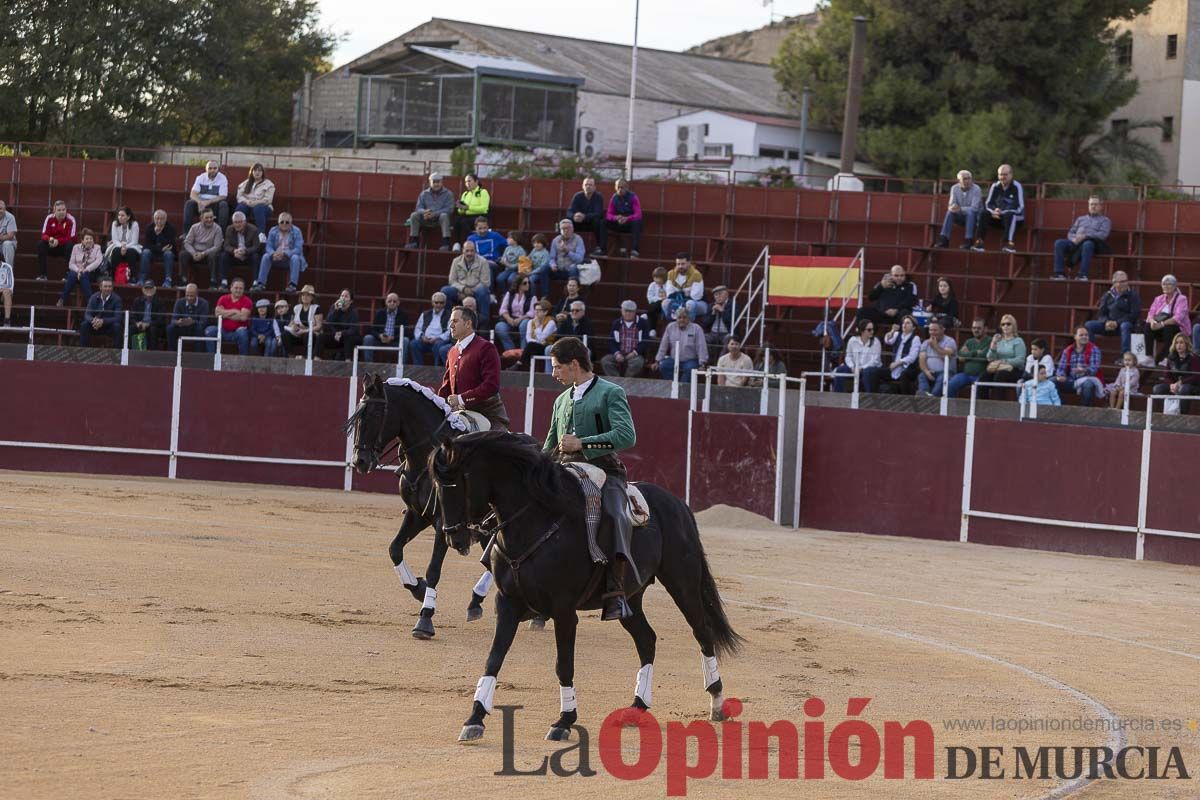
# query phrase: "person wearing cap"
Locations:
[[387, 329], [718, 322], [472, 377], [435, 209], [284, 250], [628, 340], [233, 315], [262, 338], [279, 324], [148, 316], [432, 332], [566, 254], [306, 316], [241, 248], [189, 317]]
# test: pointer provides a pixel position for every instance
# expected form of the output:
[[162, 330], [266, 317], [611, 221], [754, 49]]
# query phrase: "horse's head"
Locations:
[[462, 494], [368, 423]]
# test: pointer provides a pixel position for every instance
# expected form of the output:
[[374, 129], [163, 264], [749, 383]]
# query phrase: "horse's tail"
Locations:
[[725, 640]]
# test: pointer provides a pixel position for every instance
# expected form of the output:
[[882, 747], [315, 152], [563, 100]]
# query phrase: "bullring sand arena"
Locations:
[[202, 640]]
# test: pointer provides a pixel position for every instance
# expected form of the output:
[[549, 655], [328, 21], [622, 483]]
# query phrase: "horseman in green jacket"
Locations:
[[592, 422]]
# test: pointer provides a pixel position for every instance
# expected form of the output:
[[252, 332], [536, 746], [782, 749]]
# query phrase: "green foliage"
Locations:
[[462, 159], [952, 84], [568, 166], [145, 73]]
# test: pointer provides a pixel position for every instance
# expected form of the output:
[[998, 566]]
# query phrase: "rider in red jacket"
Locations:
[[472, 379]]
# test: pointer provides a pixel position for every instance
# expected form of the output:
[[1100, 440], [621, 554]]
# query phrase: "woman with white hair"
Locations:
[[1168, 315]]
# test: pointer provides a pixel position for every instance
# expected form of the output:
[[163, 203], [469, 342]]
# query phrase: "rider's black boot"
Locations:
[[615, 604]]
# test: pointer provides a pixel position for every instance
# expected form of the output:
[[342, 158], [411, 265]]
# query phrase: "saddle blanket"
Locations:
[[639, 511], [474, 421]]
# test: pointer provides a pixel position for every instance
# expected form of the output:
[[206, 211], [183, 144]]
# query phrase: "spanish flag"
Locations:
[[809, 280]]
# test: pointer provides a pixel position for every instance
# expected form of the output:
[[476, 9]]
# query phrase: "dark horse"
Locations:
[[541, 563], [417, 424]]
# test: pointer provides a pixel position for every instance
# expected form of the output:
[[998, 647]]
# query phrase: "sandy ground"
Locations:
[[191, 640]]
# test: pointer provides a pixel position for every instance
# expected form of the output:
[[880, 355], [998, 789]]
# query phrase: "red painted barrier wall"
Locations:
[[733, 461]]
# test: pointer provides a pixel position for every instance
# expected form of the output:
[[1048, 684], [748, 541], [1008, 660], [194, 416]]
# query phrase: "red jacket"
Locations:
[[64, 231], [473, 374]]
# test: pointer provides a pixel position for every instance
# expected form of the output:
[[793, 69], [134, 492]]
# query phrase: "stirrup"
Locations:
[[621, 610]]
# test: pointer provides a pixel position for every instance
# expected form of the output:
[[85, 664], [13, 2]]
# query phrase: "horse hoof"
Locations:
[[558, 735], [537, 624], [717, 712], [424, 629], [470, 733], [474, 613]]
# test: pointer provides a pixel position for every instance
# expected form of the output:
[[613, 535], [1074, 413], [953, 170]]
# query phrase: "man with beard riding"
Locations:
[[472, 380], [592, 422]]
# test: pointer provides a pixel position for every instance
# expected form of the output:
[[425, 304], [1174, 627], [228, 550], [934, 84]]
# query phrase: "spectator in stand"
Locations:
[[1087, 237], [1039, 355], [188, 318], [516, 309], [561, 310], [8, 235], [905, 344], [718, 322], [1079, 369], [1169, 314], [1120, 312], [863, 355], [576, 324], [158, 244], [510, 261], [255, 195], [123, 247], [6, 291], [893, 297], [628, 340], [241, 247], [262, 329], [475, 202], [734, 358], [684, 343], [340, 330], [432, 332], [966, 204], [1183, 372], [936, 361], [489, 244], [1004, 209], [284, 249], [1006, 355], [470, 274], [102, 315], [58, 237], [85, 259], [1196, 335], [435, 209], [386, 329], [209, 191], [587, 211], [1128, 381], [539, 334], [148, 316], [656, 295], [944, 305], [279, 325], [539, 262], [777, 365], [685, 289], [481, 327], [306, 318], [233, 318], [203, 242], [1040, 392], [625, 215], [566, 254], [972, 357]]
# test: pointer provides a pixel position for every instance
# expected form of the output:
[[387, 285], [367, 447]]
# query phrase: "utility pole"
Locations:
[[854, 83], [632, 94], [805, 97]]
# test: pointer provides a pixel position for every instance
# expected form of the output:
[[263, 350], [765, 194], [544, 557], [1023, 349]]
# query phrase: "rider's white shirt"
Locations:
[[462, 345], [581, 388]]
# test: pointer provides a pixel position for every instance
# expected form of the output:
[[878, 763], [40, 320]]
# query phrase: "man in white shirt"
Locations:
[[210, 190], [8, 234], [432, 333], [734, 358]]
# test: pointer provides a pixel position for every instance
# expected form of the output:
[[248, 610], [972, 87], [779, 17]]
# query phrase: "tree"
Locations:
[[147, 73], [966, 83]]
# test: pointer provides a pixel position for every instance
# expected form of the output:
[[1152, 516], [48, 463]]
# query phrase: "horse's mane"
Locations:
[[542, 479], [425, 392]]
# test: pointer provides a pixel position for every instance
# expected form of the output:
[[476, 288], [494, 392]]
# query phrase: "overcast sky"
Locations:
[[665, 24]]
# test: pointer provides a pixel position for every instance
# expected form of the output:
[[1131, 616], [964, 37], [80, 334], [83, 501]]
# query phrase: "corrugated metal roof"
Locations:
[[486, 63], [671, 77]]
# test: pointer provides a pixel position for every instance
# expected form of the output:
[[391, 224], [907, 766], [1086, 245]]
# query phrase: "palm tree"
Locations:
[[1119, 156]]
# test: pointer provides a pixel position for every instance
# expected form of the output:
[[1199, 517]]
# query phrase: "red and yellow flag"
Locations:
[[809, 280]]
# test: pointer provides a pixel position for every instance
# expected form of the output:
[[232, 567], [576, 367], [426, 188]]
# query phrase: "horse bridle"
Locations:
[[379, 451]]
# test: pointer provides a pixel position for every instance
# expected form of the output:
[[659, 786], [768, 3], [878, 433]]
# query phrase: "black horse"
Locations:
[[541, 563], [403, 414]]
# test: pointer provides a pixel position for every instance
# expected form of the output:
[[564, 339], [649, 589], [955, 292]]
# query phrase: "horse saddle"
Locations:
[[639, 511], [475, 421]]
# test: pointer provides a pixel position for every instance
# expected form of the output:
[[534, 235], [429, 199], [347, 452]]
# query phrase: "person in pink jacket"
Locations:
[[625, 215], [85, 259], [1169, 314]]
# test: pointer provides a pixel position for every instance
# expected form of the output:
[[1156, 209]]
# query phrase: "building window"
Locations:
[[1125, 52], [1168, 129], [770, 152], [1120, 126], [1172, 46]]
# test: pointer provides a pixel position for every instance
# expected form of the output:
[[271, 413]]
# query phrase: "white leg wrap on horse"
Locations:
[[483, 585], [430, 598], [645, 684], [711, 674], [406, 574], [566, 699], [485, 692]]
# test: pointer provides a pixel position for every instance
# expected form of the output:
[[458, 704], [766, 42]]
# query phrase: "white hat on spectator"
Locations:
[[263, 303], [435, 176], [628, 305]]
